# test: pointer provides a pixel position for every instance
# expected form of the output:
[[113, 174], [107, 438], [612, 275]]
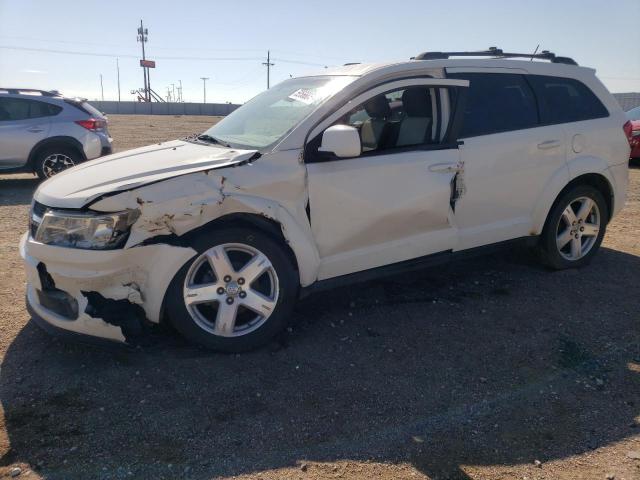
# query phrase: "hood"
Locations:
[[76, 187]]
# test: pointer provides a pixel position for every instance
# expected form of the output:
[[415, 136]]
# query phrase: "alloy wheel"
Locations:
[[55, 163], [578, 228], [231, 290]]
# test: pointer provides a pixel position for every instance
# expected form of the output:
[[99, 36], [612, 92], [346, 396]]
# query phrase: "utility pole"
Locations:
[[168, 94], [204, 86], [118, 70], [180, 92], [268, 64], [173, 88], [142, 38], [101, 88]]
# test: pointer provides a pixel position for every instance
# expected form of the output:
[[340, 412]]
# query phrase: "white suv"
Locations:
[[362, 170]]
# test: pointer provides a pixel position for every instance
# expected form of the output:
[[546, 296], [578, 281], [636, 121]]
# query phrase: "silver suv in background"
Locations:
[[44, 132]]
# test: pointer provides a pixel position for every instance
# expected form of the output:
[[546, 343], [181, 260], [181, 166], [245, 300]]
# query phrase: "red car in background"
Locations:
[[634, 117]]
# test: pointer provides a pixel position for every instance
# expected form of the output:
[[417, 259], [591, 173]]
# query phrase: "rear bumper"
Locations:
[[106, 151], [96, 144]]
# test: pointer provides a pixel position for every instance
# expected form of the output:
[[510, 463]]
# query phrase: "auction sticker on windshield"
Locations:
[[304, 95]]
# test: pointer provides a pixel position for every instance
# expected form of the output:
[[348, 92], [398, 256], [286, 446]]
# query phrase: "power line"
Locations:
[[307, 55], [178, 48], [68, 52], [107, 45], [121, 55]]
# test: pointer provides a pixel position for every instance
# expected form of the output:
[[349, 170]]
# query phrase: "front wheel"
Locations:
[[236, 294], [575, 228]]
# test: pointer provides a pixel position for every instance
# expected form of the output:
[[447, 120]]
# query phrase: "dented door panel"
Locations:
[[381, 209]]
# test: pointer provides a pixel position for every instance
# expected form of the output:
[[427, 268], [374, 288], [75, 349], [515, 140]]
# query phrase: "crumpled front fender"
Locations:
[[182, 204]]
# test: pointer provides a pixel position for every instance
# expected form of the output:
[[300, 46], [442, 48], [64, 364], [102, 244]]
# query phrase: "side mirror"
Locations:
[[341, 140]]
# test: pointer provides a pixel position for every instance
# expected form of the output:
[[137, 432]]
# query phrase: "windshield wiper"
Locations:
[[208, 138]]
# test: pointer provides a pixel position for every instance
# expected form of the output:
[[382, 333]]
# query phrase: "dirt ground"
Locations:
[[492, 368]]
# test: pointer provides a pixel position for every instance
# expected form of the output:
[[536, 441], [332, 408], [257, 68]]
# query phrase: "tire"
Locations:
[[54, 159], [559, 227], [197, 317]]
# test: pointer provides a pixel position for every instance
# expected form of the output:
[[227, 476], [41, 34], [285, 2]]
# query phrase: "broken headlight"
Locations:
[[87, 230]]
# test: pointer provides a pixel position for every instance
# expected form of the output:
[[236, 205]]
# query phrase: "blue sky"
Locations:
[[302, 36]]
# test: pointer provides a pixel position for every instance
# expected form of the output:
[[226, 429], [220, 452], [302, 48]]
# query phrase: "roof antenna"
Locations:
[[534, 53]]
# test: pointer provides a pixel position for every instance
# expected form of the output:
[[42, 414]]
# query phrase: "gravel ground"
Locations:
[[492, 368]]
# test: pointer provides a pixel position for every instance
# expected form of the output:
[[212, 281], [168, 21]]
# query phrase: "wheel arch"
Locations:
[[597, 180], [265, 225], [61, 140], [173, 210], [582, 170], [305, 268], [277, 222]]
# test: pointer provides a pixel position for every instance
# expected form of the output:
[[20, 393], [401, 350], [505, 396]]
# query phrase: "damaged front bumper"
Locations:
[[110, 294]]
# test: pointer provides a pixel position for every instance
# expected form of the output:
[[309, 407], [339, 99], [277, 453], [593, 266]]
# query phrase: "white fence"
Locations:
[[153, 108], [628, 100]]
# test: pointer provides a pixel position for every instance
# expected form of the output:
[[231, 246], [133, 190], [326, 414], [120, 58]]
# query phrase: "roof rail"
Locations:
[[497, 53], [44, 93]]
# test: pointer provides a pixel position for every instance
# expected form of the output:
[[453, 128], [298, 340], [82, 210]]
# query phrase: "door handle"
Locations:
[[445, 168], [549, 144], [35, 129]]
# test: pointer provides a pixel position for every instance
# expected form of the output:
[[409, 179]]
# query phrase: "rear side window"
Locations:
[[42, 109], [88, 108], [565, 100], [497, 102], [22, 109]]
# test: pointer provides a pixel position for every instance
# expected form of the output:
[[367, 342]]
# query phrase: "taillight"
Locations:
[[628, 131], [92, 124]]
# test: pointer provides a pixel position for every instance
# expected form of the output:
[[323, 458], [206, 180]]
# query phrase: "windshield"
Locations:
[[634, 114], [268, 117]]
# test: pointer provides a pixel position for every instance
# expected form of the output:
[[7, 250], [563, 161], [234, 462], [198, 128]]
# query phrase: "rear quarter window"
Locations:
[[85, 107], [564, 100], [91, 110], [42, 109], [497, 102]]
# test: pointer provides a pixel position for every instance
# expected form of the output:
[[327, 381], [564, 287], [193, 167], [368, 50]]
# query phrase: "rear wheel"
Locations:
[[236, 294], [575, 228], [52, 160]]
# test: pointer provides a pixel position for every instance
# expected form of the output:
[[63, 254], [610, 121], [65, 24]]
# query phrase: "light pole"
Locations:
[[101, 88], [118, 70], [143, 38], [204, 87], [268, 64]]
